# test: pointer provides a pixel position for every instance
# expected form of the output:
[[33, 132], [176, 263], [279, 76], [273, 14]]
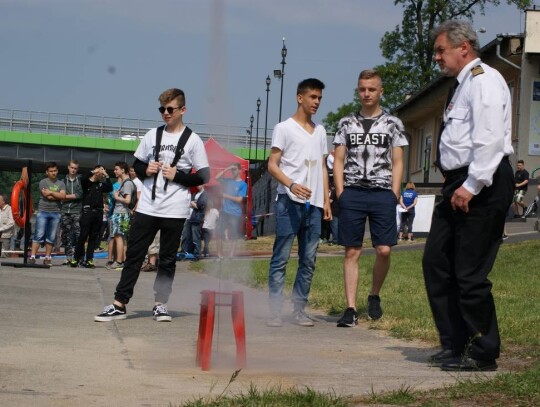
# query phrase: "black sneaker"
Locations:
[[349, 318], [374, 307], [74, 263], [110, 313], [161, 314], [88, 264]]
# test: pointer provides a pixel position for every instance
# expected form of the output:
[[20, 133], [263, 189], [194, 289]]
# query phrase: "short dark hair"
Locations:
[[307, 84], [521, 162], [123, 165], [50, 164]]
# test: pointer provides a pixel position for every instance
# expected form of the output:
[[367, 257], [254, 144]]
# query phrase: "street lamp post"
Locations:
[[282, 74], [266, 119], [251, 119], [257, 130]]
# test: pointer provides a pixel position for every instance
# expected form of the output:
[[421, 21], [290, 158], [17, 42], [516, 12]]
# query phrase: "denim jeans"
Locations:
[[293, 220], [46, 224]]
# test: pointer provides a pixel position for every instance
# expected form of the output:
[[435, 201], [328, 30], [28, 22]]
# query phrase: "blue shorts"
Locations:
[[46, 225], [357, 204]]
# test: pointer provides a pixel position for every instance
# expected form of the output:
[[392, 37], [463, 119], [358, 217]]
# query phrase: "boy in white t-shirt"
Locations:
[[163, 205], [297, 162]]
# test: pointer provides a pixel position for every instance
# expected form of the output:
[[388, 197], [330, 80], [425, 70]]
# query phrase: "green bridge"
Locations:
[[92, 140]]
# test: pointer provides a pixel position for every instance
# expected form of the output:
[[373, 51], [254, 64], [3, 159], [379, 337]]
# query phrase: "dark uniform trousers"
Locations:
[[459, 254], [141, 234]]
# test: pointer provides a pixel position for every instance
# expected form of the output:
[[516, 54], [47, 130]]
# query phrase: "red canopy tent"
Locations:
[[219, 159]]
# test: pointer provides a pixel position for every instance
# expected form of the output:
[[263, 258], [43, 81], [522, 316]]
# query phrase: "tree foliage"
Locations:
[[408, 51]]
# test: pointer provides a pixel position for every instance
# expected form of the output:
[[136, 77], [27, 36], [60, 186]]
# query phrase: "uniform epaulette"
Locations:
[[477, 70]]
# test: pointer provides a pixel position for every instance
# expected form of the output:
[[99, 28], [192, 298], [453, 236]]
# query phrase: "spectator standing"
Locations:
[[297, 162], [230, 219], [521, 180], [7, 225], [121, 216], [71, 211], [138, 183], [210, 219], [334, 204], [52, 192], [94, 184], [110, 238], [191, 235], [408, 201], [165, 168]]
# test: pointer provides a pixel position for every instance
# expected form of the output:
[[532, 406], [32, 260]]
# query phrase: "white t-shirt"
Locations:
[[301, 158], [210, 219], [138, 183], [174, 202]]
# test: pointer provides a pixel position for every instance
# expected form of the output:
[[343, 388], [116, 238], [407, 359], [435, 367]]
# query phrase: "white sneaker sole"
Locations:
[[98, 318], [163, 318]]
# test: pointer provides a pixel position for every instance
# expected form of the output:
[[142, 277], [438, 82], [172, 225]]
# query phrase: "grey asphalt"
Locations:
[[52, 353]]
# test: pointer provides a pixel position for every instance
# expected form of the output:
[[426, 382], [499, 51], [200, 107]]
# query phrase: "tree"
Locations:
[[408, 49], [331, 120]]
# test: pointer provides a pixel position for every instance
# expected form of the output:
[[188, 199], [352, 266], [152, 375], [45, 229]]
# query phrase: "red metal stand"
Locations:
[[235, 300]]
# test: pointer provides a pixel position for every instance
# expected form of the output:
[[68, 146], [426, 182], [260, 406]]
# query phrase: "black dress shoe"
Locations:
[[440, 357], [468, 364]]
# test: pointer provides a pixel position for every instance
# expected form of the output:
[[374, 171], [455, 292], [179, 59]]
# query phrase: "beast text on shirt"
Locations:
[[367, 139]]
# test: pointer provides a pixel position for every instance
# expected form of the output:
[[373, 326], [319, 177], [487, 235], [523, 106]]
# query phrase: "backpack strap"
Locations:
[[179, 150], [159, 136]]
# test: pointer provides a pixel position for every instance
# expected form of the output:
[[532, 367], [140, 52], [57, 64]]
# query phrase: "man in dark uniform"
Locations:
[[467, 225]]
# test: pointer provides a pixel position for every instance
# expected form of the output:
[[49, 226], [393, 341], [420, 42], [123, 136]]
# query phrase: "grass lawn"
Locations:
[[516, 286]]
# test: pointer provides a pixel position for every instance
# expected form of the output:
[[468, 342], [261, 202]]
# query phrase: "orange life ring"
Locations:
[[19, 216]]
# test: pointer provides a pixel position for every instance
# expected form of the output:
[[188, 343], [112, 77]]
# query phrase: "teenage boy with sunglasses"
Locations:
[[163, 205]]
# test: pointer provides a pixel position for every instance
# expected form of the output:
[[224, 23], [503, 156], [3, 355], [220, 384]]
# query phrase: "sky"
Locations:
[[114, 57]]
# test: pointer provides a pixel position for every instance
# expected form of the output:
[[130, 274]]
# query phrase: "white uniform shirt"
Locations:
[[301, 158], [174, 202], [478, 122]]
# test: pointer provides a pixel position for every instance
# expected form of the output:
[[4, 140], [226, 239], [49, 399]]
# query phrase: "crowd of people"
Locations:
[[161, 204]]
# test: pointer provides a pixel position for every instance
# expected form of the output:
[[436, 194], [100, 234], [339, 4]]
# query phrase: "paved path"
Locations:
[[53, 354]]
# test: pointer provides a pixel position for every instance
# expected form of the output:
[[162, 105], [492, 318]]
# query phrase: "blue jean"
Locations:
[[293, 220], [46, 225]]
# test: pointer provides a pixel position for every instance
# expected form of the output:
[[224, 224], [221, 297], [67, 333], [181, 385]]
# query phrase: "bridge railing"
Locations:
[[114, 127]]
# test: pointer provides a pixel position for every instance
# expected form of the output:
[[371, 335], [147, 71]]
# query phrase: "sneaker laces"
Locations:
[[109, 308], [301, 314], [160, 309]]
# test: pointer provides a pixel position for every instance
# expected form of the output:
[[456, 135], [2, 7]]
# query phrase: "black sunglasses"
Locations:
[[169, 109]]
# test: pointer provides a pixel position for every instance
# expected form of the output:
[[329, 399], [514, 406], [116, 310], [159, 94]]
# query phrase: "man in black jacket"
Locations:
[[94, 185]]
